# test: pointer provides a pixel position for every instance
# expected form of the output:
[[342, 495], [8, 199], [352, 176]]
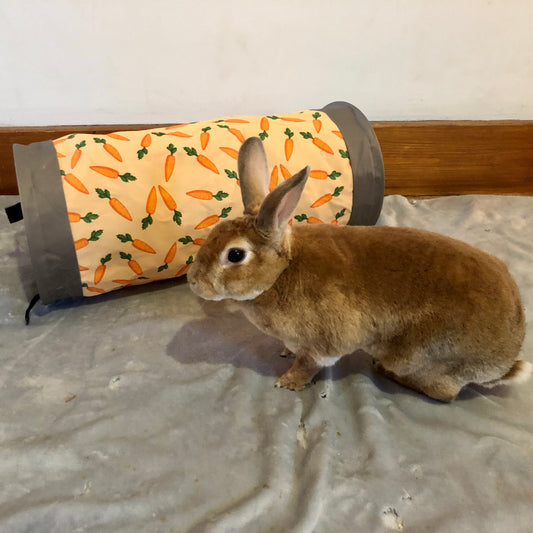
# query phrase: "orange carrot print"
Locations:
[[113, 173], [168, 199], [317, 123], [180, 134], [171, 205], [169, 257], [207, 195], [213, 219], [285, 171], [202, 159], [151, 204], [292, 119], [204, 137], [136, 243], [74, 182], [82, 243], [77, 154], [100, 270], [82, 268], [76, 217], [337, 133], [115, 204], [236, 121], [318, 174], [124, 282], [110, 149], [106, 171], [98, 290], [309, 220], [134, 265], [289, 143], [146, 141], [184, 268], [171, 253], [324, 199], [319, 143], [188, 239], [170, 161], [237, 133], [264, 125], [117, 137], [230, 151], [274, 175], [322, 175], [337, 216]]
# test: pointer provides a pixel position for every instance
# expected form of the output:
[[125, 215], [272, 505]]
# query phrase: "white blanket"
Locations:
[[151, 410]]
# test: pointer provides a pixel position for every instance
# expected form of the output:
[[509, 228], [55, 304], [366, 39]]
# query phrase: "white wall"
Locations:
[[134, 61]]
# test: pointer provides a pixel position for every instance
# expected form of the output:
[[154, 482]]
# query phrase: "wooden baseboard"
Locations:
[[442, 158], [433, 158]]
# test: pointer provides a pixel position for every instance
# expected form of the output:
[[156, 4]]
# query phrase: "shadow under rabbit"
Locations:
[[224, 336]]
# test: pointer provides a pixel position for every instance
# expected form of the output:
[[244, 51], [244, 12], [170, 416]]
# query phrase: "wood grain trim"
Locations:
[[433, 158], [440, 158]]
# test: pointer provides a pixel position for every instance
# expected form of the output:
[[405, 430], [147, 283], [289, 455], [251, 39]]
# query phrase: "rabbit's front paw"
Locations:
[[300, 373], [293, 381]]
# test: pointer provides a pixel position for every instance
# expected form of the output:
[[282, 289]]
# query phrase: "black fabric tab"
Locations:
[[14, 213], [31, 305]]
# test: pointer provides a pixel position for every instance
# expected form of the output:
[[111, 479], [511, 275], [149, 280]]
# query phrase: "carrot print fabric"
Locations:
[[140, 203]]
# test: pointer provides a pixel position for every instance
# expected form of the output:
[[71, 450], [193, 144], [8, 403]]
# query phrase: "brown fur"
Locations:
[[435, 312]]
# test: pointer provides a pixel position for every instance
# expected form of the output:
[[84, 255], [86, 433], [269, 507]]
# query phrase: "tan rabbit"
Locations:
[[434, 312]]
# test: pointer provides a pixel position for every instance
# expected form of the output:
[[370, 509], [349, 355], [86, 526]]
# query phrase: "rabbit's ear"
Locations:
[[277, 208], [253, 174]]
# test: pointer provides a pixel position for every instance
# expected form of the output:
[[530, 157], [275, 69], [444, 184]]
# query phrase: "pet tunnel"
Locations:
[[103, 212]]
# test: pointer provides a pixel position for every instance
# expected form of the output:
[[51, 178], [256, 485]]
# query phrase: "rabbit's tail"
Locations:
[[520, 372]]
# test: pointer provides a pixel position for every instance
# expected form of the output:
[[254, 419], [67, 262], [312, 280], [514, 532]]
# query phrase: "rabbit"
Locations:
[[434, 313]]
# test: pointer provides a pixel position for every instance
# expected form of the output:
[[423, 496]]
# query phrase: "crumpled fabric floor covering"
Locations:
[[151, 410]]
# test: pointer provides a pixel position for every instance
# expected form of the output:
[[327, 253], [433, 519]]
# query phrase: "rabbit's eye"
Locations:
[[236, 255]]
